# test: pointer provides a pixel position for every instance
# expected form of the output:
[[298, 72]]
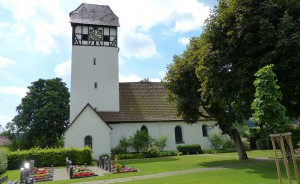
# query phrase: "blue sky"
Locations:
[[36, 41]]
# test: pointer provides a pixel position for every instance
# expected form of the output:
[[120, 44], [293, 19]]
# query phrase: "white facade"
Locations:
[[94, 79], [88, 123], [191, 134]]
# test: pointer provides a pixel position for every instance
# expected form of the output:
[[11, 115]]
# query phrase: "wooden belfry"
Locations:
[[285, 141]]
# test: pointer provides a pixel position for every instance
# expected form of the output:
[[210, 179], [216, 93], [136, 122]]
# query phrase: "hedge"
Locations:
[[49, 157], [3, 160], [144, 155], [190, 149]]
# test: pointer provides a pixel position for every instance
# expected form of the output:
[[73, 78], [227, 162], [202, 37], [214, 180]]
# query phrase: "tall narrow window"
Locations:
[[204, 131], [96, 85], [88, 141], [94, 61], [178, 135], [144, 128]]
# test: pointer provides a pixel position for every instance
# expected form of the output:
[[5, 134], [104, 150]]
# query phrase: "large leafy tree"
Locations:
[[43, 114], [239, 37], [268, 110]]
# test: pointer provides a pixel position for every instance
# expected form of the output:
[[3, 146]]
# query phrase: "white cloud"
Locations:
[[44, 20], [184, 40], [137, 45], [63, 69], [12, 90], [130, 78], [4, 120], [4, 62]]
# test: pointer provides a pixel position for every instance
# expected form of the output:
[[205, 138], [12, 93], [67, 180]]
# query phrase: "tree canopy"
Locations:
[[43, 114], [268, 110], [239, 38]]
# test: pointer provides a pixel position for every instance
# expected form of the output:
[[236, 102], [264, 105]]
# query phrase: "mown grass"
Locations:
[[264, 172]]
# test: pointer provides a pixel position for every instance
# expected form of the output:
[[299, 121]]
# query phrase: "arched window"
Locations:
[[204, 131], [88, 141], [144, 128], [178, 135]]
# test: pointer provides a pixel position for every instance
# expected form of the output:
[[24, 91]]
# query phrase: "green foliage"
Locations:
[[216, 141], [246, 144], [268, 111], [3, 160], [152, 152], [140, 141], [190, 149], [161, 142], [50, 156], [123, 146], [42, 116], [146, 155], [182, 84]]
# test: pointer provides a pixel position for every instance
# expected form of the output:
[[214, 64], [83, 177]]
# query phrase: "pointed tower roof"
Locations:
[[94, 15]]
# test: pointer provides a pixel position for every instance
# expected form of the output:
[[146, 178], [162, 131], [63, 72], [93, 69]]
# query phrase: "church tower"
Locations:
[[95, 72]]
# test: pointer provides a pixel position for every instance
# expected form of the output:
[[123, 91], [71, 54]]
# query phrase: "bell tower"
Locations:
[[95, 72]]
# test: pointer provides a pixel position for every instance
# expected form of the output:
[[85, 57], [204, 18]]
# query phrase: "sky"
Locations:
[[35, 41]]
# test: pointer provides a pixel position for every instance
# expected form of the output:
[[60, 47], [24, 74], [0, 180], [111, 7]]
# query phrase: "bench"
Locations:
[[5, 180]]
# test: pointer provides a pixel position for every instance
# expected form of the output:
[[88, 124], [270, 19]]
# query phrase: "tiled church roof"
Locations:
[[94, 15], [141, 102]]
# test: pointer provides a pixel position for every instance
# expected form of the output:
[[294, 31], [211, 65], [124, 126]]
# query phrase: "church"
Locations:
[[102, 110]]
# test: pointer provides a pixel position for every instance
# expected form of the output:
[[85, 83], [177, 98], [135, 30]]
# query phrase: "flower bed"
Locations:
[[43, 174], [82, 171], [117, 168]]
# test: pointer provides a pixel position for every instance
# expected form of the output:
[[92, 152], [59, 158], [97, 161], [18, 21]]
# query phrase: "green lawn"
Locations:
[[259, 173]]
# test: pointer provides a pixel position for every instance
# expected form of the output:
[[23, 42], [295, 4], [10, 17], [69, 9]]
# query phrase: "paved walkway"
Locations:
[[157, 175]]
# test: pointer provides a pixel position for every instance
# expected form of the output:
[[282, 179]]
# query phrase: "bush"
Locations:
[[3, 160], [216, 140], [48, 157], [246, 144], [152, 152], [161, 142], [190, 148], [140, 141], [168, 153], [227, 143]]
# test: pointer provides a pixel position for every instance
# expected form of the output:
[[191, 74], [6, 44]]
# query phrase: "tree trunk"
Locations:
[[235, 136]]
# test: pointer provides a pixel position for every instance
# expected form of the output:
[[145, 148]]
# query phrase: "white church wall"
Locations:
[[89, 124], [191, 134], [94, 79]]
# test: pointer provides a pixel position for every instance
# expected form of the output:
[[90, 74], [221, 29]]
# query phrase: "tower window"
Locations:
[[106, 38], [94, 61], [96, 85]]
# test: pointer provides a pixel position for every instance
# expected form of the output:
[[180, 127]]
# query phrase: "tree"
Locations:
[[268, 111], [43, 114], [238, 38], [140, 141]]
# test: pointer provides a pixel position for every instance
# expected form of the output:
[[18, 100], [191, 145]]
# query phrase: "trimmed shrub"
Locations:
[[190, 149], [48, 157], [3, 160], [168, 153]]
